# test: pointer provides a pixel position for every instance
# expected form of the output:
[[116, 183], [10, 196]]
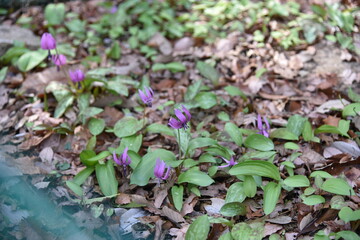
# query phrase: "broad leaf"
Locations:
[[283, 133], [195, 176], [54, 13], [271, 196], [177, 196], [313, 200], [297, 181], [160, 128], [127, 126], [259, 142], [199, 229], [252, 231], [235, 193], [233, 209], [296, 124], [234, 133], [81, 177], [105, 174], [257, 168], [206, 100], [31, 59], [337, 186], [208, 72], [145, 169], [75, 188], [96, 126], [64, 103]]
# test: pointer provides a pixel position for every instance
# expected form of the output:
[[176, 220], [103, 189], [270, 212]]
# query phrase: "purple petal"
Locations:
[[142, 96], [47, 41], [167, 173], [116, 159], [266, 123], [151, 92], [186, 111], [180, 116], [175, 123], [159, 168], [59, 59], [126, 160]]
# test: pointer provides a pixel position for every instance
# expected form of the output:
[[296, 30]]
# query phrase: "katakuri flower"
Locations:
[[159, 170], [124, 159], [47, 41], [263, 130], [77, 75], [230, 162], [59, 60], [147, 97], [182, 120]]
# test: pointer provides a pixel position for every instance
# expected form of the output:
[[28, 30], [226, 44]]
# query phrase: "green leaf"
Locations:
[[337, 186], [221, 220], [105, 174], [206, 100], [291, 145], [199, 229], [117, 86], [253, 231], [226, 236], [63, 104], [234, 133], [177, 196], [233, 209], [249, 186], [93, 160], [271, 196], [195, 176], [3, 72], [115, 51], [223, 116], [192, 90], [54, 13], [234, 91], [235, 193], [209, 72], [75, 188], [81, 177], [351, 110], [259, 142], [313, 200], [283, 133], [201, 142], [31, 59], [353, 95], [160, 128], [96, 126], [127, 126], [296, 124], [307, 132], [342, 128], [322, 174], [297, 181], [347, 214], [132, 142], [175, 67], [145, 169], [257, 168], [348, 235]]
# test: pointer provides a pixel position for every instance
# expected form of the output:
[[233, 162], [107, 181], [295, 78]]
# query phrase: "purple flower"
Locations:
[[47, 41], [59, 60], [147, 97], [159, 170], [182, 122], [263, 130], [230, 162], [113, 9], [77, 75], [124, 158]]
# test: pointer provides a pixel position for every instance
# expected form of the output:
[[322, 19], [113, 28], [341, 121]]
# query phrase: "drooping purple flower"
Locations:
[[59, 60], [147, 97], [77, 75], [47, 41], [230, 162], [182, 119], [263, 130], [124, 159], [159, 170]]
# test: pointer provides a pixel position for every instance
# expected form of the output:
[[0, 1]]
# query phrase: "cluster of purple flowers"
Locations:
[[48, 42]]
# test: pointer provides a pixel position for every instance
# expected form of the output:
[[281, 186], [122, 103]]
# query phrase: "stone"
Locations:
[[9, 34]]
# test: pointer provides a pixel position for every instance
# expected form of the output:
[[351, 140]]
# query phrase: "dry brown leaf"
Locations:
[[172, 215], [123, 198], [189, 203], [160, 195], [33, 141], [271, 228]]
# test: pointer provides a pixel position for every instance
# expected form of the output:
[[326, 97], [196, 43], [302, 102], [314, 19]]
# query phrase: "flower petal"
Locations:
[[180, 116], [186, 111], [175, 123]]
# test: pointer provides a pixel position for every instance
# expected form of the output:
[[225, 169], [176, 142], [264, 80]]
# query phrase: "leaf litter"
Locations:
[[277, 83]]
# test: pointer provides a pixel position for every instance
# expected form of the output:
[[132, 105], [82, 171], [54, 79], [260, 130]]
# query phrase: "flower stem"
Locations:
[[179, 144]]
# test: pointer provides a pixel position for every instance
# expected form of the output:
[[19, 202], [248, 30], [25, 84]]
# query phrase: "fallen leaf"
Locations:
[[172, 215]]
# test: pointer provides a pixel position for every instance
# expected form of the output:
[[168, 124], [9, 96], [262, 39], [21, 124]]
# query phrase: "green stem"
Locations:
[[179, 144]]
